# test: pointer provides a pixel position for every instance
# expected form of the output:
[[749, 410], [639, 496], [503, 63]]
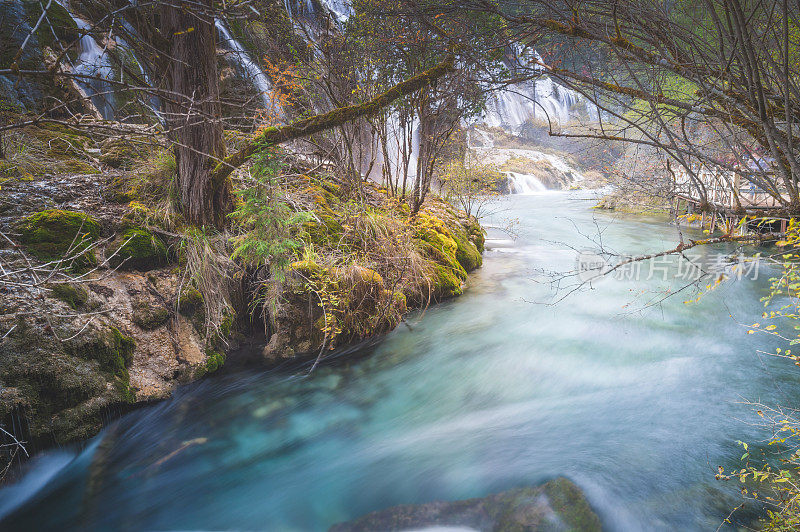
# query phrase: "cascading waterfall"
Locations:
[[249, 69], [339, 9], [93, 63], [525, 184], [540, 99]]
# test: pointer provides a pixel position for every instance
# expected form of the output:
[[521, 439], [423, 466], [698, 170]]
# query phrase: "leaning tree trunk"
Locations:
[[193, 113]]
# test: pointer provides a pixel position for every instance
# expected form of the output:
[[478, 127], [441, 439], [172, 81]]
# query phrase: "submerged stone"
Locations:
[[557, 505]]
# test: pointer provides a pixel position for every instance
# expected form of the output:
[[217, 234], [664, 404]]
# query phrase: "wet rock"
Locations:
[[558, 505]]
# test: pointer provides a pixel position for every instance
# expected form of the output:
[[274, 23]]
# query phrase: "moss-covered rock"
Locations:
[[452, 253], [307, 267], [475, 233], [446, 282], [50, 234], [148, 315], [72, 294], [120, 189], [214, 360], [138, 249], [112, 349], [190, 301], [467, 253]]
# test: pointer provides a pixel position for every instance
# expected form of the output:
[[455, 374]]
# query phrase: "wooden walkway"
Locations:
[[723, 189]]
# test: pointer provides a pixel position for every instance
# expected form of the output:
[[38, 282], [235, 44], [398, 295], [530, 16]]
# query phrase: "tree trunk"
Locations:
[[193, 114]]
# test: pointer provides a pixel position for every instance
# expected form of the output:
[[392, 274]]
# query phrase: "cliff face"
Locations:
[[115, 302]]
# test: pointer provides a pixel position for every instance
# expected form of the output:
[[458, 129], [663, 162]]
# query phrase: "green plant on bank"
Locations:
[[318, 281], [776, 483], [266, 225]]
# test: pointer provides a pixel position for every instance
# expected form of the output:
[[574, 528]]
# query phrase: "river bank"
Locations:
[[115, 302]]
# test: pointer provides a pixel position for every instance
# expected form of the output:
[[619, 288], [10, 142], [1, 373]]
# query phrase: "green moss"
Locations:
[[112, 349], [59, 24], [214, 360], [190, 301], [73, 295], [76, 166], [398, 299], [475, 233], [50, 234], [445, 282], [467, 253], [437, 243], [139, 249], [570, 504], [148, 316], [328, 230], [307, 267], [118, 153]]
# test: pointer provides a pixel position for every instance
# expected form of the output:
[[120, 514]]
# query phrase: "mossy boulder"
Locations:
[[120, 189], [72, 294], [149, 315], [59, 25], [467, 253], [307, 268], [558, 505], [214, 360], [191, 304], [51, 234], [325, 230], [112, 349], [451, 252], [138, 249], [475, 233]]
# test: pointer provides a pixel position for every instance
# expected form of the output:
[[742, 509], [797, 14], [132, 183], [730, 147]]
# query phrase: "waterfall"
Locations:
[[93, 61], [340, 9], [247, 66], [540, 99], [525, 184]]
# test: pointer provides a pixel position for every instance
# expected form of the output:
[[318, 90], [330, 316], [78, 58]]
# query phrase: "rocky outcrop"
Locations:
[[558, 505], [84, 343]]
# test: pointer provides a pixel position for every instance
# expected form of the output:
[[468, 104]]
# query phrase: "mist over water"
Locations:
[[490, 391]]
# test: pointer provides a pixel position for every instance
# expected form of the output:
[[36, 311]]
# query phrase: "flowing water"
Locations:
[[486, 392]]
